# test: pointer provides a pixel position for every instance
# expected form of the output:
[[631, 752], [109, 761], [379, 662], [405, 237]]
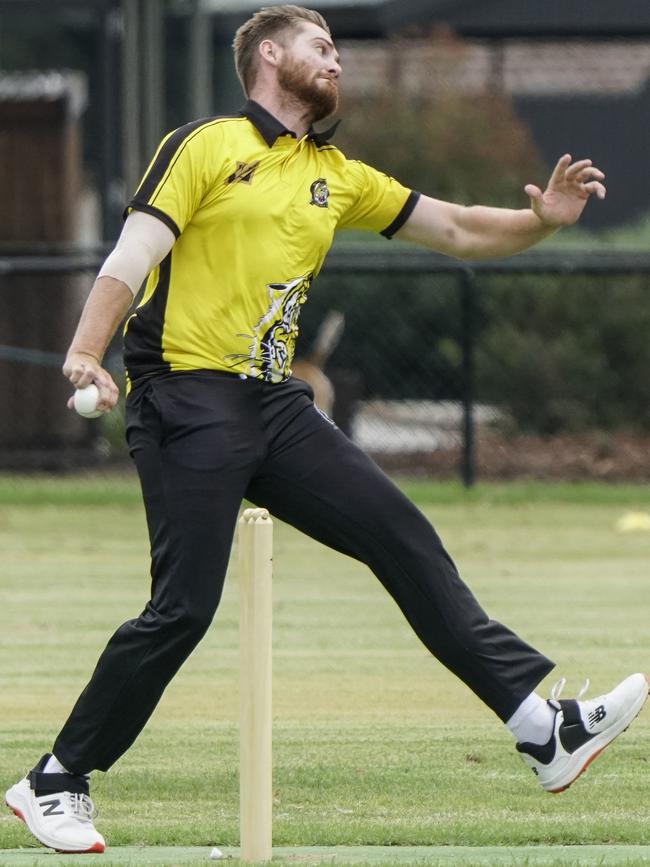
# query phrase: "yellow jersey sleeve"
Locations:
[[379, 202], [182, 171]]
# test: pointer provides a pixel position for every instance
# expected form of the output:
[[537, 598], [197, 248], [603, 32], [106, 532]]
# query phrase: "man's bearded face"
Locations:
[[300, 79]]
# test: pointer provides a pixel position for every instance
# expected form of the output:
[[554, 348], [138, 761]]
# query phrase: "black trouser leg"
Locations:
[[197, 442], [321, 483], [193, 481]]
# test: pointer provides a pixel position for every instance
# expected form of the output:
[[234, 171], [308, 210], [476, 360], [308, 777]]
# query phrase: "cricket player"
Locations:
[[230, 227]]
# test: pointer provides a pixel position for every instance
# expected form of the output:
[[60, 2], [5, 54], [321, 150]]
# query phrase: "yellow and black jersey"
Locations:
[[254, 211]]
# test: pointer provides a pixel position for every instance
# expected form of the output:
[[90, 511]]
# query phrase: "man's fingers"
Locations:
[[79, 372], [590, 174], [582, 173], [108, 393], [106, 401], [83, 370], [595, 188], [585, 173], [573, 170], [532, 191], [81, 377], [560, 169]]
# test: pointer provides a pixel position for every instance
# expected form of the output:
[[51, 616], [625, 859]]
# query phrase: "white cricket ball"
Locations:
[[216, 854], [85, 401]]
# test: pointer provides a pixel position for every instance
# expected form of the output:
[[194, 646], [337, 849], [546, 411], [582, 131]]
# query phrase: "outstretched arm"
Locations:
[[482, 233]]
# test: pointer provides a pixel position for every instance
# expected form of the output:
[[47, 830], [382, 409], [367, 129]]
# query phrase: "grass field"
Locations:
[[374, 743]]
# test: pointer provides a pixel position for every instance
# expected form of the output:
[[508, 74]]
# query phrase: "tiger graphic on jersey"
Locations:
[[274, 336]]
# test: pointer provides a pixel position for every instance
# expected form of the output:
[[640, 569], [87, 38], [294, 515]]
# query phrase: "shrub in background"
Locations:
[[464, 147], [554, 352], [566, 352]]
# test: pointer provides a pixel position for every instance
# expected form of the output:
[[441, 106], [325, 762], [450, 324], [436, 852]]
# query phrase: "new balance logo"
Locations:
[[597, 715], [51, 808], [243, 173]]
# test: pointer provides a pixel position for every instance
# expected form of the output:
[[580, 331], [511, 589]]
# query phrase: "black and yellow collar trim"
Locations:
[[270, 128]]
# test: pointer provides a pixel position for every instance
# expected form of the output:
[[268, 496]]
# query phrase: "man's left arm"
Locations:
[[480, 232]]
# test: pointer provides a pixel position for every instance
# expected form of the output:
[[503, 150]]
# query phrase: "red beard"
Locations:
[[296, 78]]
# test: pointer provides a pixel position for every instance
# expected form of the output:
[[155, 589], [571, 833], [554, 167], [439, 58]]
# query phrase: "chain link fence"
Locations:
[[537, 366]]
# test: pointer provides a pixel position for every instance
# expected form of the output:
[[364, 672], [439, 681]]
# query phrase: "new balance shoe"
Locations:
[[57, 810], [582, 730]]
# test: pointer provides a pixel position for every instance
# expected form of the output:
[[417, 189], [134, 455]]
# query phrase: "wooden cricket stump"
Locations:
[[255, 681]]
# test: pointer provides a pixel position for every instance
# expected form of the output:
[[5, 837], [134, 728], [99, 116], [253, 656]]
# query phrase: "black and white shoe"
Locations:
[[57, 810], [582, 730]]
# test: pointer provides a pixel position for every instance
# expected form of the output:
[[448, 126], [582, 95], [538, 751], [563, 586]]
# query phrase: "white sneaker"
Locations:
[[57, 810], [582, 730]]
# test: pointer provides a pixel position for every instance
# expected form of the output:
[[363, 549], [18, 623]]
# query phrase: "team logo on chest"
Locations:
[[319, 193], [243, 173]]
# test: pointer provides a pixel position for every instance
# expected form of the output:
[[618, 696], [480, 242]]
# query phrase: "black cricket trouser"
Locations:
[[202, 441]]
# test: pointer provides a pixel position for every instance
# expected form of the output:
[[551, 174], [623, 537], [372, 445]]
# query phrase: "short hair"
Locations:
[[265, 24]]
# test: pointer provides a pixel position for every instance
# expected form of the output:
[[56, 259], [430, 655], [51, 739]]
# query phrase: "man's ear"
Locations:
[[270, 51]]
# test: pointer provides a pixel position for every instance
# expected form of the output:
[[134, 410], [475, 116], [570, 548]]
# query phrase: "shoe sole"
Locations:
[[607, 737], [96, 848]]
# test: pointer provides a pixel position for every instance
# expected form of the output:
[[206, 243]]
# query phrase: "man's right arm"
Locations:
[[105, 308], [143, 244]]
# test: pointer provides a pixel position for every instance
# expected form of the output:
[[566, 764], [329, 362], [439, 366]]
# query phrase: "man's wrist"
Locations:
[[92, 355], [541, 225]]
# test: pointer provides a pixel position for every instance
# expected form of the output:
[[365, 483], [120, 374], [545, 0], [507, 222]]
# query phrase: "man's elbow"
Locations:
[[457, 244]]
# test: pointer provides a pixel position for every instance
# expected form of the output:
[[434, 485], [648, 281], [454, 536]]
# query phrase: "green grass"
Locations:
[[374, 743], [356, 856], [121, 489]]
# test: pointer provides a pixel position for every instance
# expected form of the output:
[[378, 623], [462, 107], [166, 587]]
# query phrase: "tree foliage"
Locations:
[[467, 148]]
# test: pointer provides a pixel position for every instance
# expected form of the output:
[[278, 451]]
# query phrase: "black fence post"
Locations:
[[107, 72], [468, 342]]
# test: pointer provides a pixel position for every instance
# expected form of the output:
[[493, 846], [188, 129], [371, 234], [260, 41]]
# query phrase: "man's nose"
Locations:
[[334, 68]]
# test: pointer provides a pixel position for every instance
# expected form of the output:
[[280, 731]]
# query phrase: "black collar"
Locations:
[[270, 128], [322, 138]]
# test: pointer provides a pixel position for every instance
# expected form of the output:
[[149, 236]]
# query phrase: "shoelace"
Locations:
[[556, 692], [81, 806]]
